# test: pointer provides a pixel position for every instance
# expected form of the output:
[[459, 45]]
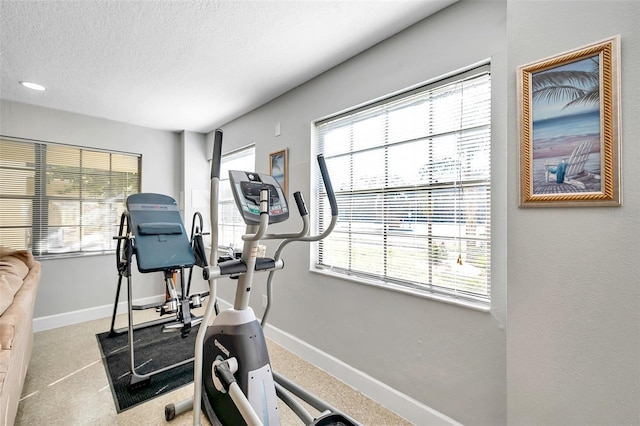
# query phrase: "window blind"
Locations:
[[231, 226], [413, 185], [62, 199]]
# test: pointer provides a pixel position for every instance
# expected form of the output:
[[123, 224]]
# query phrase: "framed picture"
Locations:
[[278, 168], [568, 110]]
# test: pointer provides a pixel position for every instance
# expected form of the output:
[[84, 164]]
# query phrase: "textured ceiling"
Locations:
[[184, 65]]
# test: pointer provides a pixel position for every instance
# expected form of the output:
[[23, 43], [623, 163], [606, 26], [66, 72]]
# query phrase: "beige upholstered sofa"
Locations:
[[19, 279]]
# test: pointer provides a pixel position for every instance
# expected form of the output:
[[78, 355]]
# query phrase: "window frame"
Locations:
[[430, 291], [40, 200], [238, 226]]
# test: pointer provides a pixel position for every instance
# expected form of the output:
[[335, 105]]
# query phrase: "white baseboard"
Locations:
[[401, 404], [76, 317]]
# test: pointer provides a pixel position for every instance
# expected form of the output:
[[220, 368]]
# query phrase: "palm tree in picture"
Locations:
[[577, 86]]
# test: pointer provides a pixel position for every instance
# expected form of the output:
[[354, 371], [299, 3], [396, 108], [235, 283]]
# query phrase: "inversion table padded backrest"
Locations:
[[161, 242]]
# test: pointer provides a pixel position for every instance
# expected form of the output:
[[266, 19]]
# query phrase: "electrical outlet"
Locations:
[[264, 300]]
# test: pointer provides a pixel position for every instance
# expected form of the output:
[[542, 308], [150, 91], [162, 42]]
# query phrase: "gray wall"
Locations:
[[447, 357], [196, 171], [73, 287], [573, 334]]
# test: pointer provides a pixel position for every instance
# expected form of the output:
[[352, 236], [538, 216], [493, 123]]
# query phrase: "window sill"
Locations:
[[477, 306], [58, 256]]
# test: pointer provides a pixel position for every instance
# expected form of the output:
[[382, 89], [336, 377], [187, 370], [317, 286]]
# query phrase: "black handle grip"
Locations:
[[217, 154], [327, 185], [302, 208]]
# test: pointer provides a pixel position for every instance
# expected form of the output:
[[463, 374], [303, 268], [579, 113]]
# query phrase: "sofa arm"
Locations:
[[15, 318]]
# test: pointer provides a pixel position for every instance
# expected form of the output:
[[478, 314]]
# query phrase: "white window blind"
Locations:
[[412, 180], [57, 199], [231, 226]]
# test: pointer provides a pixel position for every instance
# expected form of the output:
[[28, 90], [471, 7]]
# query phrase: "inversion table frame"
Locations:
[[155, 234]]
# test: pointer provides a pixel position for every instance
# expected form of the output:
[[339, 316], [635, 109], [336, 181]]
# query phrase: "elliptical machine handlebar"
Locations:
[[217, 154], [302, 208], [264, 218], [332, 202], [195, 402], [216, 161], [304, 213], [328, 186], [304, 237], [260, 234]]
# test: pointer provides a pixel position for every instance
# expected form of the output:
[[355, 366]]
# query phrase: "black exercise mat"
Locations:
[[153, 350]]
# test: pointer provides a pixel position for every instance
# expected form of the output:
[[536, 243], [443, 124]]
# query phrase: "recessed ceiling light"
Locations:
[[33, 86]]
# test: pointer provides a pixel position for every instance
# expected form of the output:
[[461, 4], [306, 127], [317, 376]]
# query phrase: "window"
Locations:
[[60, 199], [231, 226], [412, 180]]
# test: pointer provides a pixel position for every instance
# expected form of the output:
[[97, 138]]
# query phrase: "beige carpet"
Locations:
[[67, 385]]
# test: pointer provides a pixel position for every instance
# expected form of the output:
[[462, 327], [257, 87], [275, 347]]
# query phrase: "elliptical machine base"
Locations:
[[237, 334]]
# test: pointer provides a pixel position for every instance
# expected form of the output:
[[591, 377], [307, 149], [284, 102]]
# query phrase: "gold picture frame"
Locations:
[[279, 168], [568, 121]]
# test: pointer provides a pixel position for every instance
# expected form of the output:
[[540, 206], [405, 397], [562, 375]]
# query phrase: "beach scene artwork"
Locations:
[[566, 128], [278, 168]]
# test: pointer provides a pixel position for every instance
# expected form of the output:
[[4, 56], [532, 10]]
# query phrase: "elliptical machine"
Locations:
[[233, 378]]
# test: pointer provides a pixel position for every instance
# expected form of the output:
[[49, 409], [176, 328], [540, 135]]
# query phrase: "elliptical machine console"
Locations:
[[246, 187]]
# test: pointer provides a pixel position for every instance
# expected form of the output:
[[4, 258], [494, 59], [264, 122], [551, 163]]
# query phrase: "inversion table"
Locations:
[[151, 229]]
